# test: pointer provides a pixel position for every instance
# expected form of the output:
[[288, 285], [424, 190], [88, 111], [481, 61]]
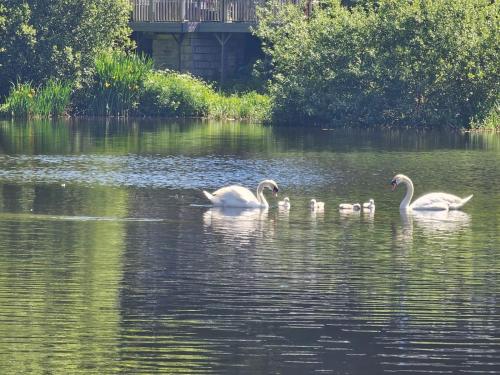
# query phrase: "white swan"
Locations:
[[431, 201], [314, 205], [285, 203], [239, 196], [349, 206], [370, 205]]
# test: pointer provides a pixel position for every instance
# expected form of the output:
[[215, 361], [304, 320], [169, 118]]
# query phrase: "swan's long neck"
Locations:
[[260, 195], [405, 203]]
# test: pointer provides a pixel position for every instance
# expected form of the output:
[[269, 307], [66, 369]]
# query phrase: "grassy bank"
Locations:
[[127, 85]]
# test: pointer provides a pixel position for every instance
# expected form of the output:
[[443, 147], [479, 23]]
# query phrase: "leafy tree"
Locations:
[[429, 62], [42, 39]]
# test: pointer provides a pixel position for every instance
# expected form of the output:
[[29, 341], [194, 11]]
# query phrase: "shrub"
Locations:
[[425, 62], [40, 39], [490, 120], [174, 94]]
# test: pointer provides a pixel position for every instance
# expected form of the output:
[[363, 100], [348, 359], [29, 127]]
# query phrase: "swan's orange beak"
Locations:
[[394, 185]]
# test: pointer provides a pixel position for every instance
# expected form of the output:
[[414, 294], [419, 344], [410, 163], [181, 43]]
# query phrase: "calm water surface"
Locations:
[[110, 262]]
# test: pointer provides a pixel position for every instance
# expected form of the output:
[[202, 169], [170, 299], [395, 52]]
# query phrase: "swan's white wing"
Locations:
[[436, 201], [235, 196]]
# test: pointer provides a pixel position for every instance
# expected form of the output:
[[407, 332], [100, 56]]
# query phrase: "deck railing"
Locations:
[[197, 10]]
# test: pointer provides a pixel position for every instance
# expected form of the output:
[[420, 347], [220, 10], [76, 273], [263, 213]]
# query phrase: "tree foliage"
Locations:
[[425, 62], [41, 39]]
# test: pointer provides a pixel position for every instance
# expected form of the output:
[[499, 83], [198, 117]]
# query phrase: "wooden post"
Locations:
[[151, 11], [183, 10], [224, 11], [222, 38]]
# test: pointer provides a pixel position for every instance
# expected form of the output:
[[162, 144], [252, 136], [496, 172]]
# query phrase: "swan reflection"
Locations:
[[237, 223], [435, 222]]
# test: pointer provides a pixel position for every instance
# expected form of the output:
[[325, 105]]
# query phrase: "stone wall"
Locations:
[[200, 53]]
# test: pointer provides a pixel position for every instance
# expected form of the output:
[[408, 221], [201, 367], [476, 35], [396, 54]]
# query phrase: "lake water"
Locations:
[[111, 262]]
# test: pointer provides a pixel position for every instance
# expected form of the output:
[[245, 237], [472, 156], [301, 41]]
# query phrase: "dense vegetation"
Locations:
[[369, 62], [125, 84], [424, 62], [57, 39]]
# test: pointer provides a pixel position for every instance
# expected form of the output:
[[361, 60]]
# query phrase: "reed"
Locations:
[[49, 100], [117, 83], [20, 101], [53, 99]]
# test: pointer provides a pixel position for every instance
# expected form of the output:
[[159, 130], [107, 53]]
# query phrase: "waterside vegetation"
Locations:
[[430, 63], [125, 84], [423, 62]]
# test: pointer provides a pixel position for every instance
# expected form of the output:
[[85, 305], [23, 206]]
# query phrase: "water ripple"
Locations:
[[176, 172]]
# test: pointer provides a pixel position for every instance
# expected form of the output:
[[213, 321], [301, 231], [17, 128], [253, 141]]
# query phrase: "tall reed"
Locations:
[[117, 83], [53, 99], [50, 100], [20, 101]]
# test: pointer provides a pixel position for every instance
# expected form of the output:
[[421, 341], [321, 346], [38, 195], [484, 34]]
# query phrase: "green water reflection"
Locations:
[[107, 267]]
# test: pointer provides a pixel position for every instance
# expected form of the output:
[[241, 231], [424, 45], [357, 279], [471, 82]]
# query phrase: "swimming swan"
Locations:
[[370, 205], [349, 206], [285, 203], [431, 201], [314, 205], [239, 196]]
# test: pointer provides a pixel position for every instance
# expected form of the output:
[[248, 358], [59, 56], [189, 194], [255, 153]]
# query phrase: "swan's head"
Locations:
[[397, 179], [312, 202], [372, 202], [271, 185], [286, 199]]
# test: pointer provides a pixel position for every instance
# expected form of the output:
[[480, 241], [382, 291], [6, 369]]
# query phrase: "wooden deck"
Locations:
[[182, 16]]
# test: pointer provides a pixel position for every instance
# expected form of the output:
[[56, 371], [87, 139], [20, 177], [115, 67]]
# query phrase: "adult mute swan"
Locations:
[[285, 203], [349, 206], [239, 196], [316, 206], [431, 201], [370, 205]]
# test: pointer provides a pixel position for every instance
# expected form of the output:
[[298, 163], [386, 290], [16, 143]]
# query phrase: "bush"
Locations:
[[174, 94], [490, 120], [182, 95], [424, 62], [40, 39]]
